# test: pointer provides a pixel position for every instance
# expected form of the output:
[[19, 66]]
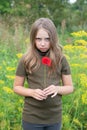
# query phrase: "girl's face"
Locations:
[[42, 40]]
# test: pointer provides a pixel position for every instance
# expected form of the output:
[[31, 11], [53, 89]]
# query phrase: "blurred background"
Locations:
[[67, 15]]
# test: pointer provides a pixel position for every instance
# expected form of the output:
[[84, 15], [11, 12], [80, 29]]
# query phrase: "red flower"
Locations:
[[46, 61]]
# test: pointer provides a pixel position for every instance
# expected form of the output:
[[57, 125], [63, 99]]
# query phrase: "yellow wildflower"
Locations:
[[68, 48], [21, 100], [0, 67], [79, 33], [66, 118], [2, 114], [20, 109], [82, 114], [1, 82], [10, 68], [83, 78], [85, 65], [84, 98], [19, 55], [77, 122], [75, 65], [10, 76], [27, 40], [80, 48], [71, 48], [8, 90], [81, 42], [4, 63], [83, 56]]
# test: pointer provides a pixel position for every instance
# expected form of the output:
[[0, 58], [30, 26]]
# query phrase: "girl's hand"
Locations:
[[51, 90], [38, 94]]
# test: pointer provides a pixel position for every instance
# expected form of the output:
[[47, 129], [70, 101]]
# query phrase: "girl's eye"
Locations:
[[38, 39], [47, 39]]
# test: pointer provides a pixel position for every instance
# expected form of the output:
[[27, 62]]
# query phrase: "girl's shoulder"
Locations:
[[63, 58], [64, 61]]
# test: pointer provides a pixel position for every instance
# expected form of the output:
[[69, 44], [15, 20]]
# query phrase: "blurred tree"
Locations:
[[4, 6], [62, 13], [77, 15]]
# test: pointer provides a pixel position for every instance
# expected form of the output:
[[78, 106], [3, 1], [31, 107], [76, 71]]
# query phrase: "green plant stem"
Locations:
[[45, 76]]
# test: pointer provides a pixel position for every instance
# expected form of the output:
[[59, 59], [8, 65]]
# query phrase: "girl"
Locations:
[[48, 75]]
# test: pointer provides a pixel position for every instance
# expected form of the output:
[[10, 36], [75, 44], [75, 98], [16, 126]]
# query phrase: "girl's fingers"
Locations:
[[39, 94], [54, 95], [51, 90]]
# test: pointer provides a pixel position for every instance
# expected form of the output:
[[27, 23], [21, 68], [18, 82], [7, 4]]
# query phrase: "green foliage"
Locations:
[[4, 6], [58, 10]]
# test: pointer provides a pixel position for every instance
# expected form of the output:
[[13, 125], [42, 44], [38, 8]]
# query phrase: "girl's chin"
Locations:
[[43, 50]]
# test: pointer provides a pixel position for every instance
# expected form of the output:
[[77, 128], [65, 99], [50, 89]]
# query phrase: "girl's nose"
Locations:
[[42, 42]]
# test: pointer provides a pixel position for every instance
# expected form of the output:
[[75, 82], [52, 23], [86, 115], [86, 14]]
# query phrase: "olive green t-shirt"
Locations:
[[47, 111]]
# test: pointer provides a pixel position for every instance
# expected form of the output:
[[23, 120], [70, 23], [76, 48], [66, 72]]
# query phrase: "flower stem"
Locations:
[[45, 76]]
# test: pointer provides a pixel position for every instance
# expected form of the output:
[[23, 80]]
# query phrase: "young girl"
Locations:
[[48, 75]]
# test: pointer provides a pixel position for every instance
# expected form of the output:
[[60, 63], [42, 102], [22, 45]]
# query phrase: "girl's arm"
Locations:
[[21, 90], [66, 88]]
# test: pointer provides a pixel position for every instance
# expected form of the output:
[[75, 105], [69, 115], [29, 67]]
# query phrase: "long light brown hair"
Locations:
[[32, 60]]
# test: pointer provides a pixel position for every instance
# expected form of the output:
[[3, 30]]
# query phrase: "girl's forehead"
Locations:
[[42, 32]]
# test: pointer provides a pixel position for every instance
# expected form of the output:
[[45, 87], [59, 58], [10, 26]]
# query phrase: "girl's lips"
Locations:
[[43, 49]]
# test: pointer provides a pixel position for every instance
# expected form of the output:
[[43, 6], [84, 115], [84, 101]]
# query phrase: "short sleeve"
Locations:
[[65, 66], [21, 68]]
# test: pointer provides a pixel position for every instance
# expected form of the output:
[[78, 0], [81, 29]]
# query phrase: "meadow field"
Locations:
[[13, 43]]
